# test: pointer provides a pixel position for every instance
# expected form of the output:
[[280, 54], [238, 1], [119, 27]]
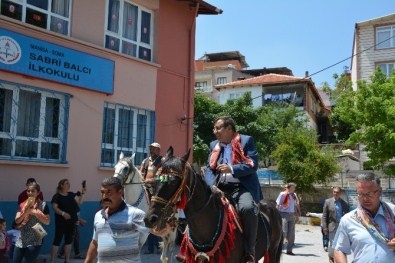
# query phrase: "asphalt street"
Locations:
[[308, 249]]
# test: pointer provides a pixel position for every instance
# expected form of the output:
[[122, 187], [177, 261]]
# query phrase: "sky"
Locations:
[[302, 35]]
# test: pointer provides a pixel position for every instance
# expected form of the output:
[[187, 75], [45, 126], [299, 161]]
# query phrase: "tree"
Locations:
[[341, 95], [205, 111], [272, 118], [301, 160], [371, 112]]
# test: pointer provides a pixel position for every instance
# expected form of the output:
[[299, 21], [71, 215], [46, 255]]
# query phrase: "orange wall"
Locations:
[[165, 86], [176, 40]]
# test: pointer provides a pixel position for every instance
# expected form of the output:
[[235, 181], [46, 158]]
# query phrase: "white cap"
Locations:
[[155, 144]]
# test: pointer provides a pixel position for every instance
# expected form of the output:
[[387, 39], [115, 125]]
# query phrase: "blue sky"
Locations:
[[303, 35]]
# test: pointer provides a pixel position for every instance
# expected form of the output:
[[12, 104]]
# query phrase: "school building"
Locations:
[[83, 81]]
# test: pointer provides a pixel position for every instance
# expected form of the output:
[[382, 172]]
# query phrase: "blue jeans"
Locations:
[[325, 239], [26, 254]]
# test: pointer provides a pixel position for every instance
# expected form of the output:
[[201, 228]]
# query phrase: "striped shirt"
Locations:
[[121, 236]]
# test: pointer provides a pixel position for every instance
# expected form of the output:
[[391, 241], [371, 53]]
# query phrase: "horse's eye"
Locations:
[[125, 170]]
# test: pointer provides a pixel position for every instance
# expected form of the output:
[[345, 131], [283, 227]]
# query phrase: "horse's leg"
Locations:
[[172, 243], [165, 245]]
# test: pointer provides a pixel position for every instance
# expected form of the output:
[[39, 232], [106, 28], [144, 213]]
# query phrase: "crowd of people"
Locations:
[[119, 232]]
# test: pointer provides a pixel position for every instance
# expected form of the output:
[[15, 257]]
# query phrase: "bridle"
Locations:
[[171, 205], [131, 169]]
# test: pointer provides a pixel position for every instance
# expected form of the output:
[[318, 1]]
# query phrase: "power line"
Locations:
[[356, 54]]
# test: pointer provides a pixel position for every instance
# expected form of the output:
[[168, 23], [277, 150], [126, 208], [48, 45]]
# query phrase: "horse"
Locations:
[[214, 233], [135, 195]]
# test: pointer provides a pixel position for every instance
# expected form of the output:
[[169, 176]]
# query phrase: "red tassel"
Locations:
[[183, 201], [266, 260]]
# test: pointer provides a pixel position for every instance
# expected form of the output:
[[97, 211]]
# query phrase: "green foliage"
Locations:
[[201, 150], [370, 112], [301, 160], [205, 111]]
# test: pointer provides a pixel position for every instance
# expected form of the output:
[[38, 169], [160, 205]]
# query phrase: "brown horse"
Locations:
[[213, 233]]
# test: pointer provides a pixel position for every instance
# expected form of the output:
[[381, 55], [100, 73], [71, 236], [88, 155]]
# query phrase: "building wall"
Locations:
[[164, 86], [175, 81], [367, 61], [256, 92]]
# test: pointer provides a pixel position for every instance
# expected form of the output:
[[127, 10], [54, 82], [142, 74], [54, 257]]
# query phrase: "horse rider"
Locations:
[[148, 166], [147, 171], [232, 166]]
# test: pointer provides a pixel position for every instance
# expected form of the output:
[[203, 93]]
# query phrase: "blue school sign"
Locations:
[[33, 57]]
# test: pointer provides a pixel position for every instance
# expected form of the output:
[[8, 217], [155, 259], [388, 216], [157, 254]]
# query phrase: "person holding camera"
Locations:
[[31, 214], [66, 207]]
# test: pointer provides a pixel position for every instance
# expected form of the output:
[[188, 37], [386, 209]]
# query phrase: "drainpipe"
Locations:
[[190, 92]]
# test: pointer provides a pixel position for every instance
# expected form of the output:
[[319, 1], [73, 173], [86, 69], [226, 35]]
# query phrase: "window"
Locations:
[[385, 37], [200, 84], [387, 68], [129, 29], [221, 80], [32, 123], [128, 130], [52, 15], [233, 96]]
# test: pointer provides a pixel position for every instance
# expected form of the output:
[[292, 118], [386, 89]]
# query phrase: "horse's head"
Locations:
[[126, 171], [169, 193]]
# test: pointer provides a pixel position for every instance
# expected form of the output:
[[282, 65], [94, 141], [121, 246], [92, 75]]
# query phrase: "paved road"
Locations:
[[308, 249]]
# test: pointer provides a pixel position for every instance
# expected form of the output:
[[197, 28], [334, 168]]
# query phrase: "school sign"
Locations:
[[33, 57]]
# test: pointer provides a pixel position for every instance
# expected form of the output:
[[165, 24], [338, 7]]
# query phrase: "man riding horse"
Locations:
[[232, 167]]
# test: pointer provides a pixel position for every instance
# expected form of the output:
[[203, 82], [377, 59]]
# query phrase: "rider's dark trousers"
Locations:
[[247, 210]]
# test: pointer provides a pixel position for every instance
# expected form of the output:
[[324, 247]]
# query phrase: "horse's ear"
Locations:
[[121, 156], [132, 157], [169, 152], [186, 156]]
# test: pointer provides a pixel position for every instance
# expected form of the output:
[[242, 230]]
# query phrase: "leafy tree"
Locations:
[[341, 95], [272, 118], [201, 150], [205, 111], [301, 160], [371, 112]]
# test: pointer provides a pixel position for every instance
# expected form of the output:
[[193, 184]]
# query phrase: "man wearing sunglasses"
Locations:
[[368, 231]]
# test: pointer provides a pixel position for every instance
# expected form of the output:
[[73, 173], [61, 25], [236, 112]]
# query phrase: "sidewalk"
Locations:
[[308, 249]]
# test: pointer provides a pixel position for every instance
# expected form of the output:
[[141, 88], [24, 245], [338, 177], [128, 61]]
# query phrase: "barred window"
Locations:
[[126, 129], [33, 123], [51, 15]]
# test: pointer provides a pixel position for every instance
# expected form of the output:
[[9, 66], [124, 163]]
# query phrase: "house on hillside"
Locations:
[[83, 81], [374, 46], [276, 88], [224, 67], [218, 68]]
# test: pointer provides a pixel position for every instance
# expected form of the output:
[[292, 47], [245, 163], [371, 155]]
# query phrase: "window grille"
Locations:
[[126, 129], [33, 123]]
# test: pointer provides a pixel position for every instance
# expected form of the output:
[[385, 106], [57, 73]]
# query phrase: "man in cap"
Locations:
[[147, 170]]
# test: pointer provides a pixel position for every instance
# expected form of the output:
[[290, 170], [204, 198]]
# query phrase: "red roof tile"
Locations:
[[264, 79]]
